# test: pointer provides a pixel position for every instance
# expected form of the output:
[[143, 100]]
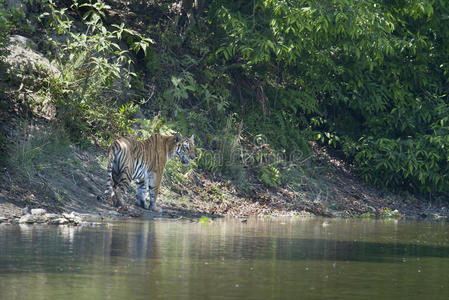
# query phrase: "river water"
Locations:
[[264, 258]]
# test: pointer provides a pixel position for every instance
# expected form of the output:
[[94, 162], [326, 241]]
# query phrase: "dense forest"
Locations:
[[257, 82]]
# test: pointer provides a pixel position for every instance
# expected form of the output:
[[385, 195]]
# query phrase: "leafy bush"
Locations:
[[95, 73], [366, 77], [418, 163], [36, 148], [270, 175], [5, 28], [224, 152], [374, 73]]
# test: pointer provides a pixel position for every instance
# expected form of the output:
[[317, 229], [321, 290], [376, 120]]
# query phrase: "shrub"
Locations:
[[374, 73], [5, 27], [95, 73]]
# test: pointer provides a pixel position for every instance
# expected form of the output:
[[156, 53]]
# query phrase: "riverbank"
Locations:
[[63, 178], [74, 177]]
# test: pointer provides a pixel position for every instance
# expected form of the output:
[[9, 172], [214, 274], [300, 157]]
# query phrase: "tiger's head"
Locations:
[[185, 148]]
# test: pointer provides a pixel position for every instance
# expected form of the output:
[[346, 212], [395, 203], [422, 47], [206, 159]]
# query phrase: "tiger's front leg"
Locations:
[[154, 183], [142, 193], [153, 196]]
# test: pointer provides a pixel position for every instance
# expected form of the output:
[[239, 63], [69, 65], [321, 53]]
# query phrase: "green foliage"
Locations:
[[366, 77], [181, 87], [374, 73], [417, 163], [176, 173], [270, 175], [228, 144], [204, 220], [36, 149], [148, 127], [389, 214], [185, 89], [5, 27], [13, 20], [126, 116], [95, 73], [207, 160], [224, 155]]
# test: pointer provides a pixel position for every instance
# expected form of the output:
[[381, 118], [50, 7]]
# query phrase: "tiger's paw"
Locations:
[[152, 207], [104, 199], [155, 208], [145, 205], [139, 203], [122, 210]]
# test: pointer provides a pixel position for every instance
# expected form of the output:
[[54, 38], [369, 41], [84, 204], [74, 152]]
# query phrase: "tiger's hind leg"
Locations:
[[117, 197], [108, 193], [112, 194], [142, 193], [121, 179], [106, 196], [121, 186]]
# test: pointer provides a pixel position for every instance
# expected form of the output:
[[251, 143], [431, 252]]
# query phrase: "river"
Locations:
[[262, 258]]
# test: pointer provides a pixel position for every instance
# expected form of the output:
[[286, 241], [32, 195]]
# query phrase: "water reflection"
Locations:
[[261, 259]]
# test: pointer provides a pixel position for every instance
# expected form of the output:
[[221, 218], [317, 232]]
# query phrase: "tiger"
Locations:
[[143, 162]]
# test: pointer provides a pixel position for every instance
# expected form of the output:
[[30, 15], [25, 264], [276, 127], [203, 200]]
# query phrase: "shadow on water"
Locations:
[[47, 247], [312, 249], [189, 214]]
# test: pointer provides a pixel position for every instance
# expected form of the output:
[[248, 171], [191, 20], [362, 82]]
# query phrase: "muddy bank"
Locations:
[[66, 179], [341, 195]]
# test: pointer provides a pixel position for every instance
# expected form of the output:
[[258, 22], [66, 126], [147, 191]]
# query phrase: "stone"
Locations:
[[51, 217], [25, 64], [59, 221], [23, 56], [38, 211], [27, 219], [73, 217]]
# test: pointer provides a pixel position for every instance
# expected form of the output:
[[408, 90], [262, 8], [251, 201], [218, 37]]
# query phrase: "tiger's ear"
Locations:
[[192, 139], [177, 137]]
